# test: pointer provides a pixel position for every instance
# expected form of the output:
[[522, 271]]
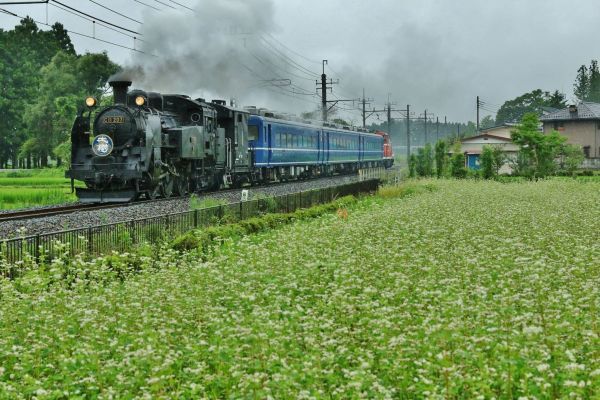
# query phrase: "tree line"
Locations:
[[540, 155], [42, 83], [585, 88]]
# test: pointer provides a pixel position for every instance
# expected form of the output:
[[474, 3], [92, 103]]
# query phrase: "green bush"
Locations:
[[202, 239]]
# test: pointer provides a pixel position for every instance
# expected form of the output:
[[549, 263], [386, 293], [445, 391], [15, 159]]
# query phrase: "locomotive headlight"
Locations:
[[140, 101], [90, 102]]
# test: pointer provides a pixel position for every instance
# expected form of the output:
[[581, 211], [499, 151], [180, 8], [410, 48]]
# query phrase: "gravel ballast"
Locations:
[[84, 219]]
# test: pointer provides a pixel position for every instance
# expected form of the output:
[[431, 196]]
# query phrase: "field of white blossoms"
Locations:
[[467, 290]]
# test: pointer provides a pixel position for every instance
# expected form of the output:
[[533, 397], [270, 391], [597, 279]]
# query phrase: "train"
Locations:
[[149, 145]]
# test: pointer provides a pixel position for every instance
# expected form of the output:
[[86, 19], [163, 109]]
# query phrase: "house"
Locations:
[[472, 146], [581, 125]]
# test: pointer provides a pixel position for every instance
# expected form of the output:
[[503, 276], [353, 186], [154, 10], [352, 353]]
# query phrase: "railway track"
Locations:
[[45, 212], [67, 209]]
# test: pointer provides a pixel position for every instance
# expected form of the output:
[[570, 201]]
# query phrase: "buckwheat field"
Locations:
[[463, 289]]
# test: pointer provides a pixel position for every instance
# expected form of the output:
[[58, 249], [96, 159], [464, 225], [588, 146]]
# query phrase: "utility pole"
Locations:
[[426, 117], [437, 129], [389, 117], [324, 93], [407, 134], [388, 110], [364, 108], [478, 104], [324, 86], [425, 126]]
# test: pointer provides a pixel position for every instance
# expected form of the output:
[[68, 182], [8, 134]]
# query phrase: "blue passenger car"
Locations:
[[294, 148]]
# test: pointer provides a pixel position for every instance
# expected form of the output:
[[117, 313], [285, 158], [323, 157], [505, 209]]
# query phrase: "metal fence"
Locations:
[[122, 236]]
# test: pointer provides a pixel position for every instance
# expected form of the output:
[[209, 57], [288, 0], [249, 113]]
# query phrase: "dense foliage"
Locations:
[[532, 102], [43, 82], [538, 151], [455, 302], [587, 83]]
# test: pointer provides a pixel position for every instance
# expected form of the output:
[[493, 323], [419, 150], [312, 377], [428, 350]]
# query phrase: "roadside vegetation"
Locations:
[[540, 156], [417, 292]]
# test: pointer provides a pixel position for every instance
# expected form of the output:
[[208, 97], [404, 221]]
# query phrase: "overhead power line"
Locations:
[[181, 5], [291, 50], [94, 18], [290, 61], [99, 23], [116, 12], [147, 5], [12, 3], [78, 33], [165, 4]]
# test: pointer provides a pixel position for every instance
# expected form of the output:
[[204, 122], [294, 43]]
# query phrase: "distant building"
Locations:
[[581, 125], [499, 136]]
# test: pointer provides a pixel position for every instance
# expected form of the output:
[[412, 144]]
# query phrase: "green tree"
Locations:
[[587, 83], [487, 122], [498, 159], [541, 150], [485, 159], [457, 162], [572, 158], [492, 158], [412, 165], [594, 92], [532, 102], [23, 52], [556, 100], [582, 84], [441, 158], [425, 161]]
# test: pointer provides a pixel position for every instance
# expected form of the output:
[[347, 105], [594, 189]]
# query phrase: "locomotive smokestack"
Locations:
[[119, 90]]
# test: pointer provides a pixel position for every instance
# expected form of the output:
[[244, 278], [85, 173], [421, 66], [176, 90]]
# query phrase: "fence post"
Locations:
[[195, 218], [89, 240], [132, 231], [36, 250]]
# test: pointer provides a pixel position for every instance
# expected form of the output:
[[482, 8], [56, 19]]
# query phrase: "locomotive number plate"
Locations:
[[114, 120]]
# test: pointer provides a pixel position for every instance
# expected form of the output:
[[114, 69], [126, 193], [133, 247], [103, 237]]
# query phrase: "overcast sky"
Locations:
[[432, 54]]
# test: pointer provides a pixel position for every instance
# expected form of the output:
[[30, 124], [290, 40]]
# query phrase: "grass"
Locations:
[[452, 289], [30, 188]]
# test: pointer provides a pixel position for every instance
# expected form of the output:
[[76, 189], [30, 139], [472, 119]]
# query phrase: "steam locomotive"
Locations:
[[152, 145]]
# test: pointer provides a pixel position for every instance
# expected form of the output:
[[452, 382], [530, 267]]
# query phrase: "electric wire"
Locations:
[[116, 12], [268, 65], [147, 5], [291, 50], [165, 4], [95, 18], [288, 59], [98, 23], [79, 34], [312, 78], [181, 5]]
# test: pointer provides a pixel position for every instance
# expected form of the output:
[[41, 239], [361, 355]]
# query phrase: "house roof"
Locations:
[[488, 136], [504, 125], [585, 111]]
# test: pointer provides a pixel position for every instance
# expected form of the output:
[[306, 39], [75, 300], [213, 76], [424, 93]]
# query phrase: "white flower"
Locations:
[[543, 367]]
